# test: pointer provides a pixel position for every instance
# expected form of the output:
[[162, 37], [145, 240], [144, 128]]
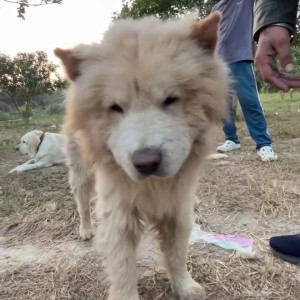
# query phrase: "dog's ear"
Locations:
[[38, 133], [69, 61], [33, 142], [206, 31]]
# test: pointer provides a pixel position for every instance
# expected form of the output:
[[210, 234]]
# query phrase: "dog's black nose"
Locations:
[[17, 148], [147, 161]]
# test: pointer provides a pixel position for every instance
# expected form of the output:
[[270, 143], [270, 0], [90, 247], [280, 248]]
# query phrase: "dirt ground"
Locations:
[[41, 256]]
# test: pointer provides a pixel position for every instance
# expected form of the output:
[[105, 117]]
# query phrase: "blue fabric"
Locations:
[[236, 29], [245, 86]]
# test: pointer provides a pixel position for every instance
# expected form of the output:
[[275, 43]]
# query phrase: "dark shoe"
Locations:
[[287, 247]]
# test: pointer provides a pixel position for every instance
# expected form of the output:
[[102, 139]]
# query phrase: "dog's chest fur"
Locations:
[[151, 200]]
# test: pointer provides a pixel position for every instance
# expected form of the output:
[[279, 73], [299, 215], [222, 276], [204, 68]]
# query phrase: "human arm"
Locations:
[[274, 24]]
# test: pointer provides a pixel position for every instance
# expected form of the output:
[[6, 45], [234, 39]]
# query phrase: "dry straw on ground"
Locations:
[[239, 195]]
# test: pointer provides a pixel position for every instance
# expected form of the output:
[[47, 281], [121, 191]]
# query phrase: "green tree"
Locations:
[[23, 4], [163, 8], [168, 8], [29, 75]]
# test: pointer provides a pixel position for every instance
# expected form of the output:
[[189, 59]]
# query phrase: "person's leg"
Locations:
[[245, 86], [231, 139], [229, 127]]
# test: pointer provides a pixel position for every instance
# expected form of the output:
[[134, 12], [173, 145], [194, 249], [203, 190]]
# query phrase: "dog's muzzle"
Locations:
[[147, 161]]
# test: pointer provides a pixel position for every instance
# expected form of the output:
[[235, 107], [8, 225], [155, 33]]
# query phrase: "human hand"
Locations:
[[274, 41]]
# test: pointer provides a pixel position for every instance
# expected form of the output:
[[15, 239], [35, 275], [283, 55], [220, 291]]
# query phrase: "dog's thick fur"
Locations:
[[43, 154], [150, 86]]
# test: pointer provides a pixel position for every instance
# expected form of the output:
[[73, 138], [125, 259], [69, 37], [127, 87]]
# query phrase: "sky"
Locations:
[[50, 26]]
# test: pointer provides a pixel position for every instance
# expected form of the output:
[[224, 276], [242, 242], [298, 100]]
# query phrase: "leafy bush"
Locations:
[[55, 109], [6, 116]]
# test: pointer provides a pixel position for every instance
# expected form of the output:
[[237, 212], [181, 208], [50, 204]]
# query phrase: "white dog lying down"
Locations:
[[45, 149]]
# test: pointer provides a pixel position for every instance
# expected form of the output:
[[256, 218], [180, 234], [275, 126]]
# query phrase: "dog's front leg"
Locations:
[[119, 236], [30, 165], [29, 162], [174, 234], [19, 168]]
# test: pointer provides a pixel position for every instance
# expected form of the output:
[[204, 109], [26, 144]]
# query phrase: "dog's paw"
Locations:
[[191, 290], [13, 171], [197, 292], [86, 232]]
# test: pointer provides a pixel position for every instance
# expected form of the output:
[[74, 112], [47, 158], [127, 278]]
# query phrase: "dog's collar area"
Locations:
[[41, 140]]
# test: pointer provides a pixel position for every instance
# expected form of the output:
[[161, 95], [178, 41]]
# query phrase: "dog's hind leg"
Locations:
[[82, 186], [174, 235]]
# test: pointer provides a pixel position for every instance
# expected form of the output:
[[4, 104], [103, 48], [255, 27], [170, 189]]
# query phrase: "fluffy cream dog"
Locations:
[[140, 112], [44, 148]]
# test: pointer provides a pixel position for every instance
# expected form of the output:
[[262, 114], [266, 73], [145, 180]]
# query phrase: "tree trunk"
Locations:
[[28, 111], [16, 104]]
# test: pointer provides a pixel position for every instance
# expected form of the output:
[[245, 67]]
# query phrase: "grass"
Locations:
[[239, 195], [12, 130], [39, 117], [283, 115]]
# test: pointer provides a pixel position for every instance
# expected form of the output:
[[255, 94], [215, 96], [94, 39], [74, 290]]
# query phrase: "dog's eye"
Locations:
[[170, 101], [117, 108], [24, 142]]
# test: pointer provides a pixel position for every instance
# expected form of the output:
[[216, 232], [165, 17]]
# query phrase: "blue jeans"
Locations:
[[245, 86]]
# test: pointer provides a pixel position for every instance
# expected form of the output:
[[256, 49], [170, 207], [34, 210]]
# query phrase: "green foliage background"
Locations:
[[28, 75]]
